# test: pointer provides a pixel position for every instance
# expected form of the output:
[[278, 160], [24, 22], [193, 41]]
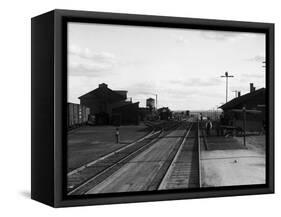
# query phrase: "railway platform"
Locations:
[[227, 165]]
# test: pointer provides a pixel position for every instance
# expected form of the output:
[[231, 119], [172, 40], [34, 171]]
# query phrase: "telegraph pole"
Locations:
[[226, 76], [244, 125], [156, 103]]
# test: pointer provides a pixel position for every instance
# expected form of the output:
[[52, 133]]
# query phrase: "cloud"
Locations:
[[198, 82], [253, 75], [180, 39], [85, 62], [89, 54], [88, 69], [178, 94], [257, 58], [175, 88], [224, 36], [142, 88]]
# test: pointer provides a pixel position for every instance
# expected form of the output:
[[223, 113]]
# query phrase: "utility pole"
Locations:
[[226, 76], [156, 101], [244, 125]]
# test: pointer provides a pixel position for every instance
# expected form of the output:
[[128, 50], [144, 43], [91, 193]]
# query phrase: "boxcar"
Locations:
[[77, 115]]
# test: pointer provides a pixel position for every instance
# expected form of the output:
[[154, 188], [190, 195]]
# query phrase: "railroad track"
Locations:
[[91, 174], [184, 169], [179, 170], [202, 132], [171, 163]]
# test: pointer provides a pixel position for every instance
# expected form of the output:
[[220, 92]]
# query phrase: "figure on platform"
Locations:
[[201, 117], [209, 126], [117, 135]]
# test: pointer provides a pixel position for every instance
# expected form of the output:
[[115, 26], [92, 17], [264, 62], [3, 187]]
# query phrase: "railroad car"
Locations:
[[77, 115]]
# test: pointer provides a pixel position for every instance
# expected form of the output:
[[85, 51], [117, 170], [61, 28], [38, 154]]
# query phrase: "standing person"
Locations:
[[209, 126], [117, 135], [201, 117]]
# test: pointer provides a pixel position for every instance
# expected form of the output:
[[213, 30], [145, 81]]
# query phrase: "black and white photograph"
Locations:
[[158, 108]]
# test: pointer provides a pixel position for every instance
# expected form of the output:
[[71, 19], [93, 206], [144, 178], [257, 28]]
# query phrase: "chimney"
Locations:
[[239, 94], [103, 85], [252, 88]]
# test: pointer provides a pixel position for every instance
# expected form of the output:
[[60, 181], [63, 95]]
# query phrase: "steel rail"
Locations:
[[170, 168], [81, 168], [112, 166]]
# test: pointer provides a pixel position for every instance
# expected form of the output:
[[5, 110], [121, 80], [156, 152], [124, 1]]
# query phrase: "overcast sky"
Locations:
[[182, 66]]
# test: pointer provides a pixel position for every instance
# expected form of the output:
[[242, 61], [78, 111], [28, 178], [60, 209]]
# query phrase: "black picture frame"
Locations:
[[49, 98]]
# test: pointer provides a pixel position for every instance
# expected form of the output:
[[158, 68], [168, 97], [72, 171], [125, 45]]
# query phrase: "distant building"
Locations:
[[255, 101], [110, 106], [150, 103], [144, 113]]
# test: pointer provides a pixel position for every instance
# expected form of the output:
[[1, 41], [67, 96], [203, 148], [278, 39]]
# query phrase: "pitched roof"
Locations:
[[103, 92], [238, 100]]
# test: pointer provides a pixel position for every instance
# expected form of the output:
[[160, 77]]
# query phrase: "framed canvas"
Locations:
[[134, 108]]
